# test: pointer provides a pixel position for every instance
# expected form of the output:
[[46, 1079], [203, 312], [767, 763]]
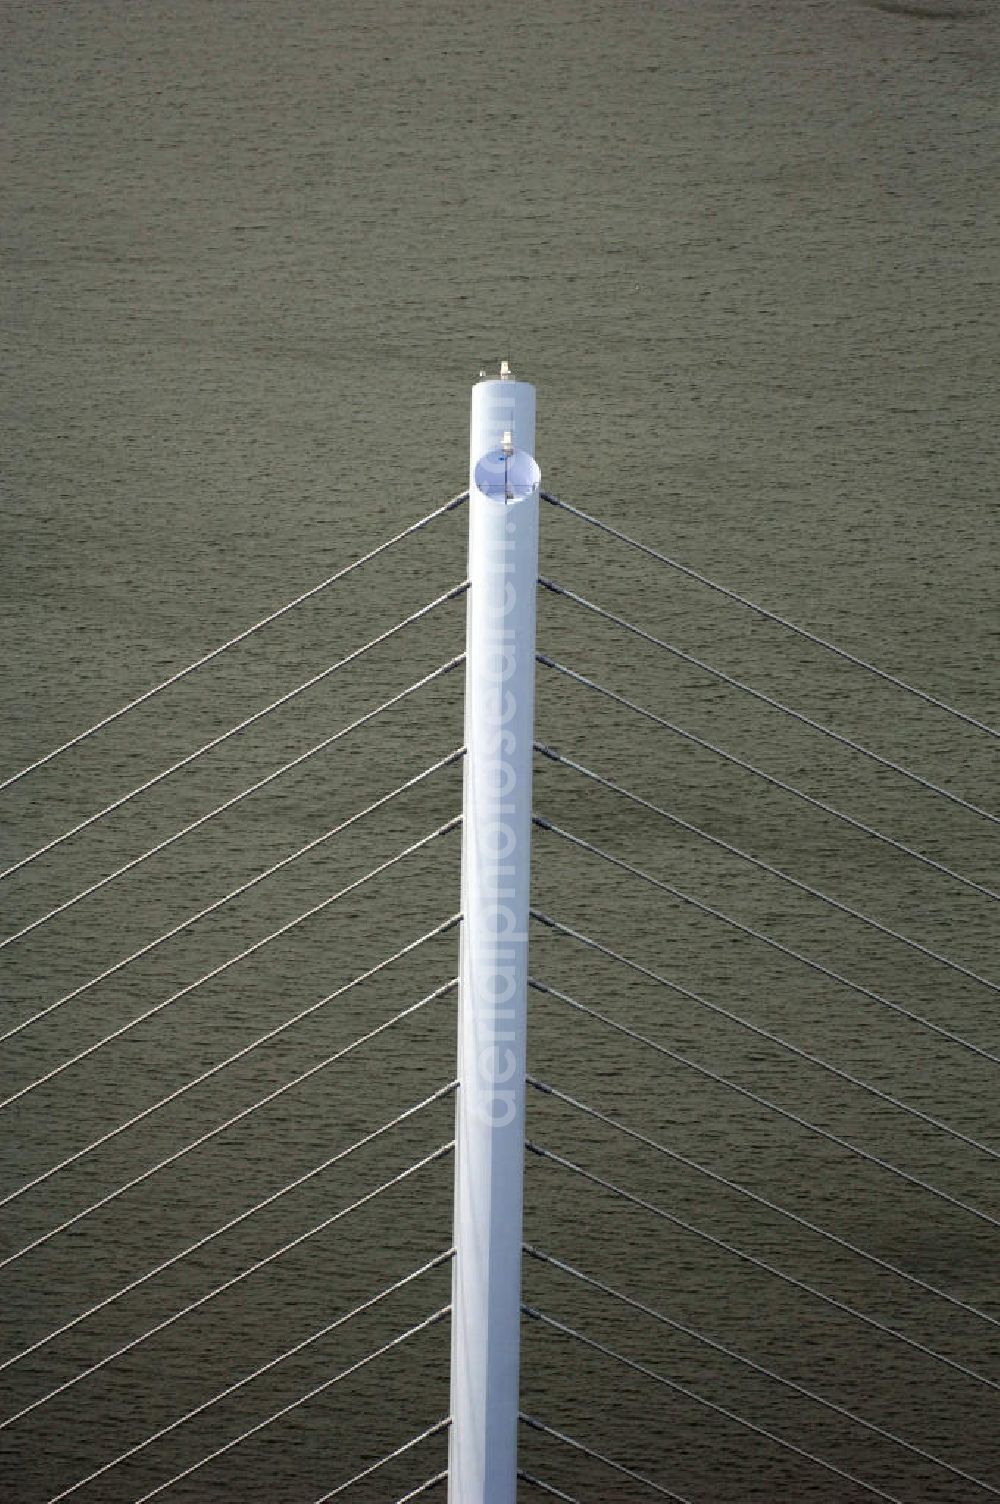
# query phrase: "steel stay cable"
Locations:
[[217, 741], [735, 1185], [428, 1483], [240, 637], [271, 1258], [254, 788], [778, 783], [760, 1368], [414, 1441], [252, 1430], [275, 1254], [546, 1488], [773, 1038], [229, 803], [691, 1394], [234, 893], [816, 966], [746, 856], [784, 1112], [537, 1425], [241, 1217], [757, 694], [180, 1091], [921, 694], [225, 965], [756, 1263], [420, 1326]]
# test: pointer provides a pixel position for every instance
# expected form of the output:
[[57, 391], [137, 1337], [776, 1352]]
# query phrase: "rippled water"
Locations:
[[254, 257]]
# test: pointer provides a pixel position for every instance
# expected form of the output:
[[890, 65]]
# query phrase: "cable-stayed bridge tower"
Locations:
[[739, 1211]]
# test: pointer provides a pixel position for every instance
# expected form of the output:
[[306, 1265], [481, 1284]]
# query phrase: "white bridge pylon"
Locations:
[[504, 486]]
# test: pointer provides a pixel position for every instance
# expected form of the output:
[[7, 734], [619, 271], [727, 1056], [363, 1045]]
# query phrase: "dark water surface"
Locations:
[[254, 256]]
